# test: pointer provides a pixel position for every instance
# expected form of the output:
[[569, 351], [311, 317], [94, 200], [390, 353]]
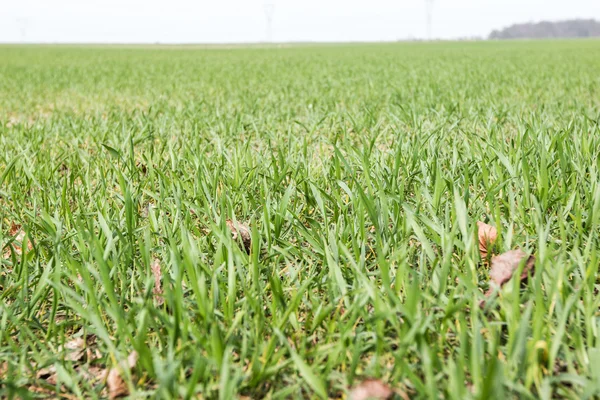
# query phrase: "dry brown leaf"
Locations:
[[93, 373], [75, 349], [116, 385], [14, 229], [487, 235], [157, 291], [78, 348], [47, 374], [504, 266], [371, 389], [17, 244], [241, 230]]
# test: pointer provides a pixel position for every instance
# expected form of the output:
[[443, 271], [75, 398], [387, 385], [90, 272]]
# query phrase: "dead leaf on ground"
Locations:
[[504, 266], [93, 373], [157, 291], [373, 389], [48, 374], [241, 230], [116, 385], [487, 235], [14, 229], [74, 349], [17, 244], [78, 348]]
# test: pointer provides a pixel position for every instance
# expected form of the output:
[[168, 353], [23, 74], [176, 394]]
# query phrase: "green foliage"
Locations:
[[361, 172]]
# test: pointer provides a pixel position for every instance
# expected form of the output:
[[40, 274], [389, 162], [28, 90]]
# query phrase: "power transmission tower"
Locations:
[[269, 10], [429, 11]]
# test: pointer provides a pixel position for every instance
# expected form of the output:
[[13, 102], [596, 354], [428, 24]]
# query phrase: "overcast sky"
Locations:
[[227, 21]]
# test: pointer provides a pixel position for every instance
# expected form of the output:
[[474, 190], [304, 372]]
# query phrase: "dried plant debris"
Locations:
[[81, 351], [371, 389], [115, 382], [74, 349], [157, 273], [48, 374], [242, 231], [17, 244], [504, 266], [487, 235], [93, 373], [80, 348]]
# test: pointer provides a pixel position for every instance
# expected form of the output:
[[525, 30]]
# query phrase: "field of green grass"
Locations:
[[361, 172]]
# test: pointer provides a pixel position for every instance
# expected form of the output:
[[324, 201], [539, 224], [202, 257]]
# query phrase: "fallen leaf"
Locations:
[[371, 389], [241, 230], [77, 348], [14, 229], [47, 374], [116, 385], [504, 265], [157, 291], [93, 373], [487, 235], [17, 244]]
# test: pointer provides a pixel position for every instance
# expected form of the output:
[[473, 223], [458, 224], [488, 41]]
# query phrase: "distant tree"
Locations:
[[576, 28]]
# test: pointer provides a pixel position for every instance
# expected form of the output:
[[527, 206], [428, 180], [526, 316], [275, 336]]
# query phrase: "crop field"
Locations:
[[409, 221]]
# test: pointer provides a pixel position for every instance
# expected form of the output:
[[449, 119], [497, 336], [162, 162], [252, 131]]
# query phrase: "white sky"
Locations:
[[225, 21]]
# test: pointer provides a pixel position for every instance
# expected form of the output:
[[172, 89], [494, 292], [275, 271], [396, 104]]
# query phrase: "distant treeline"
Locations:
[[576, 28]]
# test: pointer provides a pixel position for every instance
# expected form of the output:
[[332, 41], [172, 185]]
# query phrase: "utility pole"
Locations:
[[269, 10], [22, 22], [429, 11]]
